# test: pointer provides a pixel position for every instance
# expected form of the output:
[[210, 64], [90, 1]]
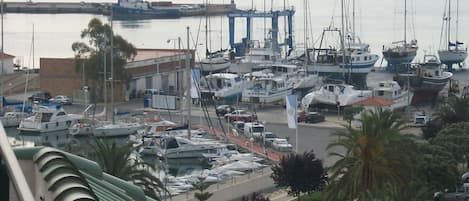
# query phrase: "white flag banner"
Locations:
[[195, 83], [291, 111]]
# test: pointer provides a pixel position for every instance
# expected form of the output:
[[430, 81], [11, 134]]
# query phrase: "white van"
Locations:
[[253, 129]]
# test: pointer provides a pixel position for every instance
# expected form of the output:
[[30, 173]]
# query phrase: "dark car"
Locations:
[[221, 110], [301, 116], [40, 97], [314, 117]]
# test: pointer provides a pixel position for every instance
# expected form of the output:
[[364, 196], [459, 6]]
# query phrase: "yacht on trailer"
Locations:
[[267, 90], [223, 86], [335, 95], [392, 91], [257, 57]]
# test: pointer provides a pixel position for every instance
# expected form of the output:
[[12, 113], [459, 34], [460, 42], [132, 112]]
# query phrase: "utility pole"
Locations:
[[112, 74], [189, 85]]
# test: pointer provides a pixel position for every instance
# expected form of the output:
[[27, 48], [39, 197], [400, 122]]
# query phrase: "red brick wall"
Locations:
[[58, 76]]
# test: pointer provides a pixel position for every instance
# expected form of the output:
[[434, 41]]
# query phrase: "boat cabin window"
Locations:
[[331, 88], [437, 73], [381, 84], [171, 143], [61, 114], [380, 93], [46, 117]]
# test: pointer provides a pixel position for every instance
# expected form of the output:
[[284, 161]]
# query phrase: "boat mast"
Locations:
[[449, 24], [342, 35], [353, 21], [189, 86], [405, 22], [305, 2], [112, 72], [3, 58], [457, 23]]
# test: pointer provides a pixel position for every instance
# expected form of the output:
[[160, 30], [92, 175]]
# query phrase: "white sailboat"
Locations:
[[114, 128], [451, 51], [213, 61]]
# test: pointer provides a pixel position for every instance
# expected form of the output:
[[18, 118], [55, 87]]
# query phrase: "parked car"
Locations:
[[221, 110], [314, 117], [64, 100], [269, 138], [241, 115], [281, 144], [301, 116], [238, 126], [40, 97], [458, 194]]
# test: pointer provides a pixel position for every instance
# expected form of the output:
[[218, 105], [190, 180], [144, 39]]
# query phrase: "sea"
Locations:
[[376, 22]]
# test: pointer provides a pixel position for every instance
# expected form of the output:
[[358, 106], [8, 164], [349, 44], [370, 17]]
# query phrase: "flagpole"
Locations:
[[296, 137]]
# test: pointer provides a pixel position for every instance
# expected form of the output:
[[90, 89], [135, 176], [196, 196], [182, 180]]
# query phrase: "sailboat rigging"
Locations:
[[451, 51], [401, 53]]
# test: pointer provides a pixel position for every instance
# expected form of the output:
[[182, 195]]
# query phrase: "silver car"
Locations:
[[64, 100]]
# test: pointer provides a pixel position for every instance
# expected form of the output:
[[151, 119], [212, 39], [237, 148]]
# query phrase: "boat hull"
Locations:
[[116, 131], [425, 88], [216, 66], [262, 97], [46, 127]]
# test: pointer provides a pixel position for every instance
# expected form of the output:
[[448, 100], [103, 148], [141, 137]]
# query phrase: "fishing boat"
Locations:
[[453, 52], [267, 90], [223, 86], [48, 117], [426, 79], [352, 63], [139, 9], [400, 53], [339, 95]]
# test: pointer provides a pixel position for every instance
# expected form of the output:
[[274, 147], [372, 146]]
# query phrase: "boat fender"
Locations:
[[74, 131]]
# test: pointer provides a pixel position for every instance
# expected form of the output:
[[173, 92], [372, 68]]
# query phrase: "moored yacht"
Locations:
[[116, 129], [177, 148], [47, 118]]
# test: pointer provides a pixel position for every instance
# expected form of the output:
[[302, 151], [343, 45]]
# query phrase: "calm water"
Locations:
[[378, 23]]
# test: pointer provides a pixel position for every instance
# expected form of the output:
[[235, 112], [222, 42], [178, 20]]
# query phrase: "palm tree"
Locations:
[[375, 155], [117, 160]]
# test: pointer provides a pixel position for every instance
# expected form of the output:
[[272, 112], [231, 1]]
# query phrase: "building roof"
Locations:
[[374, 101], [6, 56], [145, 54], [70, 177]]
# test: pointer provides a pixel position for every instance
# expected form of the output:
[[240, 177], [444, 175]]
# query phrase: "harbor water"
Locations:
[[378, 23]]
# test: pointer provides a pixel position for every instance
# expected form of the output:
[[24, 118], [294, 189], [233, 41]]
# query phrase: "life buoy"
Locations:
[[74, 131]]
